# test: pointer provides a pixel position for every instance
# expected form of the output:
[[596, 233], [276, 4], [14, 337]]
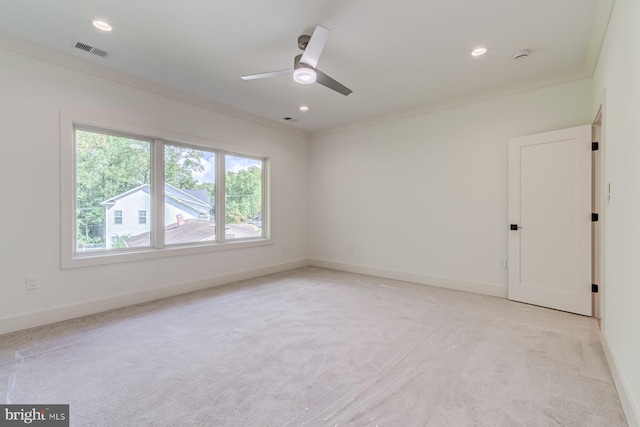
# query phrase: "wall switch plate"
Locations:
[[32, 283], [502, 264]]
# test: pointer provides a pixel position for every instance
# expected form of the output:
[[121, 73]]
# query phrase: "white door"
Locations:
[[550, 203]]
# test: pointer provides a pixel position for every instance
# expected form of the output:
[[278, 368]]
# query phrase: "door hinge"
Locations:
[[594, 288], [595, 146], [594, 217]]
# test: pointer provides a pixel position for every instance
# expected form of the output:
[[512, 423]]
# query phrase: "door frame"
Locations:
[[600, 197]]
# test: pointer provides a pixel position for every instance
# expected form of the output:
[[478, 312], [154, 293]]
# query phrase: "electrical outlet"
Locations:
[[32, 283], [502, 264]]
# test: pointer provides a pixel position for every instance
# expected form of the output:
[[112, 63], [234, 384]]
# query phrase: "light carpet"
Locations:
[[318, 347]]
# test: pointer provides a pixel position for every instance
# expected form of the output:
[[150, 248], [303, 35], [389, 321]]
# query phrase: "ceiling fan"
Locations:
[[304, 65]]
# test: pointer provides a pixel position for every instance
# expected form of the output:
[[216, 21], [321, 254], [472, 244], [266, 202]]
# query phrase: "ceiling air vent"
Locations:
[[99, 52], [91, 49]]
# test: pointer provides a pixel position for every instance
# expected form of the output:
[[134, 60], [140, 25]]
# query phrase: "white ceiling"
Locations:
[[396, 56]]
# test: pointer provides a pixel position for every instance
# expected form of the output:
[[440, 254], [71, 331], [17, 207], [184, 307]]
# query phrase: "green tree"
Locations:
[[180, 163], [244, 194]]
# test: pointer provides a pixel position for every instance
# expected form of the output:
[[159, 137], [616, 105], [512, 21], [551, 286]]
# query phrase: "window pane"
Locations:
[[243, 195], [112, 185], [189, 195]]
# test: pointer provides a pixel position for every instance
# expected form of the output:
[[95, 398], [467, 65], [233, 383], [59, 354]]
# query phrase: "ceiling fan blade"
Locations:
[[315, 46], [268, 74], [327, 81]]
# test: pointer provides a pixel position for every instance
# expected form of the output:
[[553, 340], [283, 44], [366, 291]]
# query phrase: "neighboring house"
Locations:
[[181, 231], [193, 231], [127, 214]]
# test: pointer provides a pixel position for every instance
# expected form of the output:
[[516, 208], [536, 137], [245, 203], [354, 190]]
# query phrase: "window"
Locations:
[[171, 186], [109, 170], [243, 194]]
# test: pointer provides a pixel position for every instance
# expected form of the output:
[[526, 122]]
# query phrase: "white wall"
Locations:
[[33, 93], [617, 82], [424, 198]]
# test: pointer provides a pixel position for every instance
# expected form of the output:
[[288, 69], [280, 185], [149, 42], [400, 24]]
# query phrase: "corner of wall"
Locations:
[[629, 405], [440, 282]]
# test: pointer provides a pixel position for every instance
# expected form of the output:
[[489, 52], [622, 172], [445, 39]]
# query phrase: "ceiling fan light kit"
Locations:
[[304, 65], [304, 75]]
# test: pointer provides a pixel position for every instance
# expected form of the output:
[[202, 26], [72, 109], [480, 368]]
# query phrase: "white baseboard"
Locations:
[[39, 318], [629, 406], [442, 282]]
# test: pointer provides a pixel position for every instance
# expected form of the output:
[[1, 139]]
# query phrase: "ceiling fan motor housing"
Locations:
[[297, 64], [303, 41]]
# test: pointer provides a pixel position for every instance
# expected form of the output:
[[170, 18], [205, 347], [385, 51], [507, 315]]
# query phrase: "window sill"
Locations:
[[115, 256]]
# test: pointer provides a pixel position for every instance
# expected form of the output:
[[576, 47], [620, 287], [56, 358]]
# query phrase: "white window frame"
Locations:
[[221, 169], [71, 258]]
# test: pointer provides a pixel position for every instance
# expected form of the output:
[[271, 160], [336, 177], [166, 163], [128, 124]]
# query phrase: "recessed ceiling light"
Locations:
[[479, 51], [303, 108], [101, 25]]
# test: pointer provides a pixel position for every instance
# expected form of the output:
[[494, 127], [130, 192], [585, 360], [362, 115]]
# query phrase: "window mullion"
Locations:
[[157, 194], [221, 209], [266, 202]]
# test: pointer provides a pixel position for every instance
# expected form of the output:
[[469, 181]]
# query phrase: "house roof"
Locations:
[[198, 200], [202, 195], [144, 187], [193, 230]]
